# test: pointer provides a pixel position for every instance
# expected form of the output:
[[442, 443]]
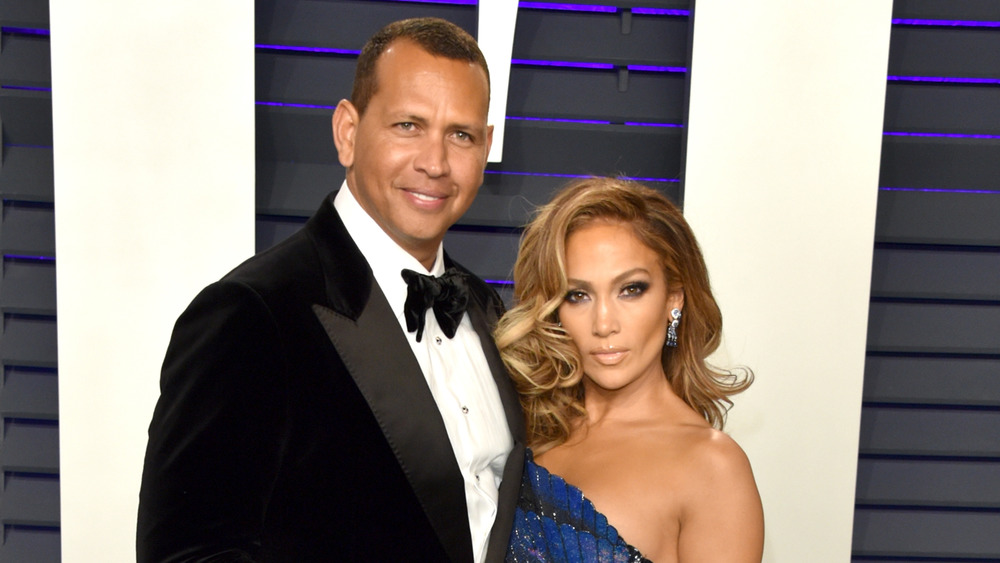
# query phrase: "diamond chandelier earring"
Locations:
[[675, 321]]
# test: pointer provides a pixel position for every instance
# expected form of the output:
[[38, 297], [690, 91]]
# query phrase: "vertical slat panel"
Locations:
[[929, 468], [29, 444]]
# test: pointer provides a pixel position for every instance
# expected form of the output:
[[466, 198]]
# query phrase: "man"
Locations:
[[306, 413]]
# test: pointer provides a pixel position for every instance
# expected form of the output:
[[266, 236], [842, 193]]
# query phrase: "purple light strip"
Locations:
[[649, 124], [945, 79], [310, 49], [555, 175], [285, 105], [22, 146], [939, 190], [945, 135], [499, 282], [558, 120], [529, 62], [566, 7], [30, 88], [26, 257], [653, 68], [661, 12], [459, 2], [25, 30], [945, 23]]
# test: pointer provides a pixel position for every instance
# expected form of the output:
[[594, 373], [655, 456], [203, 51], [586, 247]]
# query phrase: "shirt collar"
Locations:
[[386, 258]]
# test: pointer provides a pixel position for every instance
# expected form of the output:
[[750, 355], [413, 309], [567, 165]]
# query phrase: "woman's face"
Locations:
[[618, 305]]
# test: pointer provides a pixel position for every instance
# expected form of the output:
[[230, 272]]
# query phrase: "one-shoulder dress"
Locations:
[[555, 523]]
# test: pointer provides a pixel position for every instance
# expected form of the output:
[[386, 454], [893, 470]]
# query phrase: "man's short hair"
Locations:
[[436, 36]]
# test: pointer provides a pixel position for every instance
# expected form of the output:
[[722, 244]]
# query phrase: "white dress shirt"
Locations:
[[456, 371]]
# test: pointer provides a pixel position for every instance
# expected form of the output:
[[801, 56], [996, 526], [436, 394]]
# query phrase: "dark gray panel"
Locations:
[[25, 61], [982, 10], [30, 393], [941, 381], [271, 230], [938, 218], [28, 287], [912, 533], [563, 93], [940, 163], [943, 51], [295, 188], [928, 483], [30, 447], [937, 273], [569, 93], [28, 229], [489, 255], [25, 13], [291, 77], [343, 24], [293, 134], [304, 135], [932, 327], [598, 37], [575, 148], [26, 544], [510, 199], [27, 117], [30, 500], [935, 108], [26, 174], [28, 341], [944, 432]]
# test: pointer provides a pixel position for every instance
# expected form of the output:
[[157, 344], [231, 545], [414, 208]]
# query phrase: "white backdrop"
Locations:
[[154, 194], [154, 165], [781, 184]]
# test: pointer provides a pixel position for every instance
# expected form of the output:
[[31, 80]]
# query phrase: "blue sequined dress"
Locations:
[[554, 523]]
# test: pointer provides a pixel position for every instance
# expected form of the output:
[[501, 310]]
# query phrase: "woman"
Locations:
[[607, 346]]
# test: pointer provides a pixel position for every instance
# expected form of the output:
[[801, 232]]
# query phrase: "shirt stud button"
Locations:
[[438, 341], [465, 410]]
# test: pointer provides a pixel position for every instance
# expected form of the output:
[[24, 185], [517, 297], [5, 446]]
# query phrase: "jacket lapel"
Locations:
[[362, 327]]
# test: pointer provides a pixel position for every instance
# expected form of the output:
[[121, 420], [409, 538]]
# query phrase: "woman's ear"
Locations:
[[676, 300], [345, 127]]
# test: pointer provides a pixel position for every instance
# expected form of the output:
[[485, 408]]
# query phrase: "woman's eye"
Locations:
[[635, 289], [575, 296]]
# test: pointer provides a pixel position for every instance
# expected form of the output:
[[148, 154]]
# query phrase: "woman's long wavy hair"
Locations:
[[543, 360]]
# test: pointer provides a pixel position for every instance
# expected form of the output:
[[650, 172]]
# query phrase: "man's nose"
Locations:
[[432, 159]]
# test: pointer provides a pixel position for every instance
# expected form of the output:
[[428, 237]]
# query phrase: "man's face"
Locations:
[[415, 159]]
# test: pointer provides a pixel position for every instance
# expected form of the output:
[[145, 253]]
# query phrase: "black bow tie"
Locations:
[[448, 295]]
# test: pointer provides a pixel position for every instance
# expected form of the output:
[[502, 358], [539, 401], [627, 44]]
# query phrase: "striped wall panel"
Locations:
[[929, 460], [29, 442], [590, 93]]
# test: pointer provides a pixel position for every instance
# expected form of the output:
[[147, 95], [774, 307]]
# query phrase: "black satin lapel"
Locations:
[[379, 359]]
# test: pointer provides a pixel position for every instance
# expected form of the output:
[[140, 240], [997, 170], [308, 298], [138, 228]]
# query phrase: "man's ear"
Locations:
[[489, 140], [345, 127]]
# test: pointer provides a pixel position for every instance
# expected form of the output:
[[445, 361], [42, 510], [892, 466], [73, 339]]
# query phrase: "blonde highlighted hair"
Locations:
[[542, 359]]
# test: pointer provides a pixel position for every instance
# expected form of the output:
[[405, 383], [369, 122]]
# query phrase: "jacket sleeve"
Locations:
[[216, 434]]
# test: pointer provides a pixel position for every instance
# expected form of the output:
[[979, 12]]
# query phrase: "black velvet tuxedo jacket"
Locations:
[[294, 423]]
